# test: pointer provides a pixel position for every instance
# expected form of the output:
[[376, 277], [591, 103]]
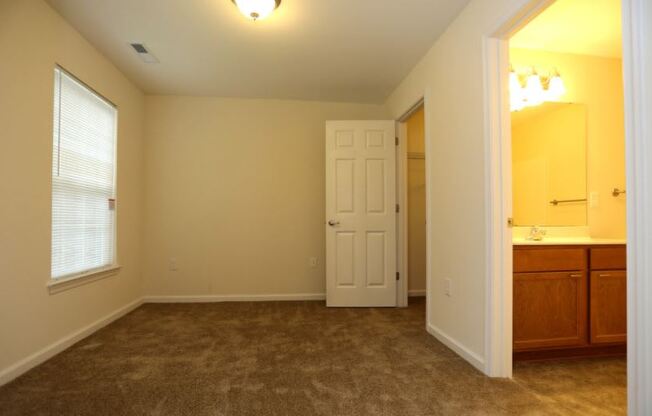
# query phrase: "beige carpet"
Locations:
[[295, 358]]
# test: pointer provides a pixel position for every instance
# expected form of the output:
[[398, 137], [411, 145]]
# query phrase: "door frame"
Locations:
[[637, 58], [402, 292]]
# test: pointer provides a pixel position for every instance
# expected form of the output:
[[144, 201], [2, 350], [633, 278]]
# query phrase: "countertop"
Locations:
[[568, 241]]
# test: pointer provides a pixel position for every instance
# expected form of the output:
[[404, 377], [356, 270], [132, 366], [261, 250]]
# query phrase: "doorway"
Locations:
[[499, 323]]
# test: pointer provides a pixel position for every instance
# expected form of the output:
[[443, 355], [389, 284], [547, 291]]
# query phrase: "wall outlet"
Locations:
[[447, 287], [172, 266], [313, 262]]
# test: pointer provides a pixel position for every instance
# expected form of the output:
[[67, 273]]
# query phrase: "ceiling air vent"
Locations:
[[144, 53]]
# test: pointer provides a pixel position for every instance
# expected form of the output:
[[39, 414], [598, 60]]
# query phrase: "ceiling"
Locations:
[[584, 27], [329, 50]]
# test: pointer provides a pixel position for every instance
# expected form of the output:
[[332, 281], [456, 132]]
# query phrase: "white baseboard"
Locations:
[[234, 298], [416, 293], [26, 364], [474, 359]]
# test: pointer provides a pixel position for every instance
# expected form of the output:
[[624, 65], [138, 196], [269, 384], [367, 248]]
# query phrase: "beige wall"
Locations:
[[416, 204], [32, 39], [451, 77], [596, 83], [235, 193]]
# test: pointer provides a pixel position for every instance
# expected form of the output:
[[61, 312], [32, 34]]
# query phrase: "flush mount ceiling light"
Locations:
[[257, 9]]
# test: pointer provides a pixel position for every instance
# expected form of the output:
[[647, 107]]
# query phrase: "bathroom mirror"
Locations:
[[549, 165]]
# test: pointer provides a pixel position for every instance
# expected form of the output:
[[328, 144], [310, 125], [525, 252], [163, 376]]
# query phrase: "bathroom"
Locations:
[[568, 193]]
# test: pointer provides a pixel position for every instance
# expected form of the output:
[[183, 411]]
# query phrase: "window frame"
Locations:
[[75, 279]]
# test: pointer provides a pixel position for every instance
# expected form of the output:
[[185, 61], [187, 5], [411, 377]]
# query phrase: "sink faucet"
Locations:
[[536, 233]]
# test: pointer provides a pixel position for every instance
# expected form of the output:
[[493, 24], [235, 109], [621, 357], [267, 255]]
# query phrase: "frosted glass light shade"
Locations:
[[256, 9], [556, 89], [534, 94]]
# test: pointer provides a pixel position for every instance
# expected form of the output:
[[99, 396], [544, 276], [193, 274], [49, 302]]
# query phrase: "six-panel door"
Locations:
[[360, 213]]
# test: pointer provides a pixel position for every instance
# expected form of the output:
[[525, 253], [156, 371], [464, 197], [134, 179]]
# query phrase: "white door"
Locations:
[[360, 213]]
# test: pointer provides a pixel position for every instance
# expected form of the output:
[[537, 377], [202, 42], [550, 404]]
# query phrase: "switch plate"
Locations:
[[594, 200], [447, 287], [313, 262]]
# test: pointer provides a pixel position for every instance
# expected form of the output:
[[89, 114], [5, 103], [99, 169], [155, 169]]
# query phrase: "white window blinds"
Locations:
[[83, 185]]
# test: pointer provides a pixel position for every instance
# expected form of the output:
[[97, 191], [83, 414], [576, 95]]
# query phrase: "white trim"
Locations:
[[637, 63], [498, 317], [474, 359], [402, 220], [429, 205], [417, 293], [65, 283], [235, 298], [402, 198], [26, 364]]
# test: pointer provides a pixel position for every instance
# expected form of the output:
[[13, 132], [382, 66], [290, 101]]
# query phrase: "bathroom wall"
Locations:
[[597, 83], [416, 204]]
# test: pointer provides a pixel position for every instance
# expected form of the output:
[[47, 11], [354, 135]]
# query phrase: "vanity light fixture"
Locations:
[[556, 87], [532, 89], [257, 9], [534, 94]]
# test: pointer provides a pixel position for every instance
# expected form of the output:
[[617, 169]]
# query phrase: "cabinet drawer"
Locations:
[[549, 259], [609, 258]]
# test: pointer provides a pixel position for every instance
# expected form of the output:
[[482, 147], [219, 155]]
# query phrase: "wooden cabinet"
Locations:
[[608, 307], [608, 294], [550, 310], [569, 298]]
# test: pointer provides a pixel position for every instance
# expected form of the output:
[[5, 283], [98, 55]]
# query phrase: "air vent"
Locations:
[[139, 47], [144, 53]]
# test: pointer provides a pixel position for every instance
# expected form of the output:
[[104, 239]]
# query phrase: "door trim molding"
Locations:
[[637, 63], [401, 180]]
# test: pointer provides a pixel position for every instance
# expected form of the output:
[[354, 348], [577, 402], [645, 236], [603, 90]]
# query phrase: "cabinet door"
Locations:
[[608, 307], [550, 310]]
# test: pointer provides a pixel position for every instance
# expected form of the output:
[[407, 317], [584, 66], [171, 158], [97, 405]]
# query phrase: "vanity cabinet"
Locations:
[[608, 294], [569, 298]]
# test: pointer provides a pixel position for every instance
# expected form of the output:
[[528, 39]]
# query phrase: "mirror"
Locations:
[[549, 165]]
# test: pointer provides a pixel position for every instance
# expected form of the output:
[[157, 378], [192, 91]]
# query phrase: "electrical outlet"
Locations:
[[173, 265], [313, 261], [447, 287]]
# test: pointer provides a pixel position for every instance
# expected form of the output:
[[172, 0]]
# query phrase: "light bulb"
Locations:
[[256, 9], [534, 94], [556, 88]]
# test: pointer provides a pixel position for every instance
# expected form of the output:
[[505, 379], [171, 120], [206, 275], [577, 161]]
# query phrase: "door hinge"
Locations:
[[398, 276], [396, 140], [398, 208], [510, 222]]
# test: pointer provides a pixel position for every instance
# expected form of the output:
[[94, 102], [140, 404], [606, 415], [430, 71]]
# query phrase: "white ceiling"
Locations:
[[583, 27], [330, 50]]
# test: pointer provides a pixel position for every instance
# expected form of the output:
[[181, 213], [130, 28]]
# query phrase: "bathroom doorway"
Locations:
[[564, 191]]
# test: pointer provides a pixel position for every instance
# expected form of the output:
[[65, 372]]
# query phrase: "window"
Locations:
[[83, 179]]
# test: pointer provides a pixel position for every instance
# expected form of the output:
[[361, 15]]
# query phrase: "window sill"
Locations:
[[60, 285]]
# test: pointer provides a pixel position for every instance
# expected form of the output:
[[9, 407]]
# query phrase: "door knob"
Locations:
[[333, 223]]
